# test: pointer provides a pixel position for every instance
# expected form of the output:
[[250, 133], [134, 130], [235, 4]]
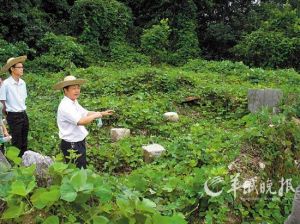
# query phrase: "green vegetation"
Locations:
[[213, 131]]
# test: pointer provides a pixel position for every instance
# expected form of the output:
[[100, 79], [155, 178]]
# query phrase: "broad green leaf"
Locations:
[[12, 153], [138, 182], [82, 198], [19, 188], [52, 220], [67, 192], [100, 220], [4, 190], [78, 180], [125, 206], [29, 171], [176, 219], [42, 197], [36, 198], [30, 186], [87, 188], [13, 211], [104, 193], [59, 167], [146, 205]]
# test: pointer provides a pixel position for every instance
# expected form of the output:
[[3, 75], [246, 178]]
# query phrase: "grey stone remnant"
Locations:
[[119, 133], [42, 162], [171, 116], [152, 151], [259, 98]]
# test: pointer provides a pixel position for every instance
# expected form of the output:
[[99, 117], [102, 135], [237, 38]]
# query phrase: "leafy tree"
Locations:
[[184, 38], [58, 12], [267, 49], [100, 21], [275, 44], [155, 41], [222, 23], [22, 21], [8, 50], [182, 17], [59, 53]]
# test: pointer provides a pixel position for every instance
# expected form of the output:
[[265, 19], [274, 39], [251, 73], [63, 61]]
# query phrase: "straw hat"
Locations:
[[68, 81], [12, 61]]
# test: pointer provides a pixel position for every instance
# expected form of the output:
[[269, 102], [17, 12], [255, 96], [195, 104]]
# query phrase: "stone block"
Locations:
[[119, 133], [152, 151], [171, 116], [259, 98], [42, 162]]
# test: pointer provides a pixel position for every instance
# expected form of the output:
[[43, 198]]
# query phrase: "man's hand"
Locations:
[[5, 133], [107, 112]]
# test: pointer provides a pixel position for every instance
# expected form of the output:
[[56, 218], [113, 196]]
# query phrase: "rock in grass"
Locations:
[[42, 162], [152, 151], [119, 133], [260, 98], [171, 116]]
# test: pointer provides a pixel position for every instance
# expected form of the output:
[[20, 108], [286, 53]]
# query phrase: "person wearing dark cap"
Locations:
[[71, 119], [13, 94]]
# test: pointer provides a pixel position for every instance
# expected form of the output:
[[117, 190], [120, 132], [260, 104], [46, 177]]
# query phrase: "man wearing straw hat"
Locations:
[[71, 119], [13, 94]]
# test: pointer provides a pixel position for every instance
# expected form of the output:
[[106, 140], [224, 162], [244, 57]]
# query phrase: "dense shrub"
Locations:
[[59, 52], [155, 41], [58, 13], [184, 39], [219, 36], [267, 49], [222, 67], [122, 52], [8, 50], [97, 22], [22, 21], [285, 20], [275, 44]]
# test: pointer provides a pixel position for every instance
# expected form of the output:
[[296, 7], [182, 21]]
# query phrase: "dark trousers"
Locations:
[[79, 148], [2, 148], [18, 127]]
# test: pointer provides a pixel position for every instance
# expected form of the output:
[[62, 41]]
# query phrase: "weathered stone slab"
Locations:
[[42, 162], [171, 116], [152, 151], [259, 98], [119, 133]]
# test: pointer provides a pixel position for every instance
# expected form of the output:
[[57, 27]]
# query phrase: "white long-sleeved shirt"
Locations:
[[14, 94]]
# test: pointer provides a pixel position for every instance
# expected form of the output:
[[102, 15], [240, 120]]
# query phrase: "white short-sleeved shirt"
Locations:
[[68, 114], [14, 93]]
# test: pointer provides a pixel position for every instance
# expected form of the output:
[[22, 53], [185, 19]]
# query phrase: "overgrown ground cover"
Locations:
[[215, 137]]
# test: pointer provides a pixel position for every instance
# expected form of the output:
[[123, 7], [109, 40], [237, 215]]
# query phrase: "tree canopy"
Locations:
[[207, 29]]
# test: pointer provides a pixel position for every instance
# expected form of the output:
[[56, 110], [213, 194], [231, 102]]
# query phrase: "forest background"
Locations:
[[56, 33]]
